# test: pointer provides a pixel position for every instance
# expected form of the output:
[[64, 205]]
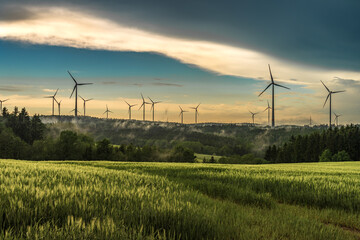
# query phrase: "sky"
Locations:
[[183, 53]]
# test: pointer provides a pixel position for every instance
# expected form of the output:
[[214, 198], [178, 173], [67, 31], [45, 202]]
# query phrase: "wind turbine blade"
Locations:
[[132, 105], [141, 105], [325, 86], [56, 92], [82, 98], [151, 100], [180, 108], [198, 105], [44, 97], [73, 91], [157, 102], [265, 89], [80, 84], [142, 97], [326, 99], [268, 104], [281, 86], [127, 103], [338, 91], [89, 99], [272, 79], [72, 77]]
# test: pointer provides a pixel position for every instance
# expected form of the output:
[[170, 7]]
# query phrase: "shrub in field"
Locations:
[[326, 156], [181, 154], [341, 156]]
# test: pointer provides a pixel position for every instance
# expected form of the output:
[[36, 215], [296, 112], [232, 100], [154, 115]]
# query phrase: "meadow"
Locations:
[[121, 200]]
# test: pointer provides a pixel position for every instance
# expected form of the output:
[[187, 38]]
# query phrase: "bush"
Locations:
[[325, 156], [341, 156], [181, 154]]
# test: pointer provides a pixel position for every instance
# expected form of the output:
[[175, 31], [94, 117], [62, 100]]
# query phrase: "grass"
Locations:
[[109, 200]]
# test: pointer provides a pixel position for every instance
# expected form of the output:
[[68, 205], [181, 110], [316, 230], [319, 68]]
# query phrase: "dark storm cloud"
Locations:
[[11, 13], [348, 83], [323, 33]]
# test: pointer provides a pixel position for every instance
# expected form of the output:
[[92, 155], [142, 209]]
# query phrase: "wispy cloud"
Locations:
[[167, 84], [13, 88]]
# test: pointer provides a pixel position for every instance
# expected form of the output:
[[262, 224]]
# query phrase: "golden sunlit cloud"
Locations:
[[62, 27]]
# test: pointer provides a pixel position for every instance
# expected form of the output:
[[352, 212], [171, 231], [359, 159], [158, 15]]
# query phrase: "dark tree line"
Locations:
[[24, 137], [310, 147]]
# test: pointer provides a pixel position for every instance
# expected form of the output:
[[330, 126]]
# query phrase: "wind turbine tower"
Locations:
[[272, 84], [53, 100], [337, 119], [76, 92], [329, 96], [182, 115], [143, 106], [59, 105], [196, 112], [253, 116], [107, 112], [85, 100], [268, 109], [1, 104], [130, 106], [153, 108]]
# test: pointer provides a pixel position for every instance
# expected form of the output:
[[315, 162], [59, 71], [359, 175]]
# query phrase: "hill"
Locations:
[[207, 138]]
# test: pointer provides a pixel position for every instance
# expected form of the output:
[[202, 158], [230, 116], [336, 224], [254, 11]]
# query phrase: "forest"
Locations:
[[333, 144], [25, 137]]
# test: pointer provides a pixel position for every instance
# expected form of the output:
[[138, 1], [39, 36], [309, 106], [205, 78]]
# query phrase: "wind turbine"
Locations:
[[85, 100], [337, 119], [143, 106], [74, 110], [107, 112], [53, 100], [153, 108], [76, 91], [1, 104], [329, 95], [268, 109], [59, 104], [253, 116], [273, 84], [196, 112], [182, 114], [310, 123], [130, 106]]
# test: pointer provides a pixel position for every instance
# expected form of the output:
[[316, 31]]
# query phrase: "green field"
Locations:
[[110, 200]]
